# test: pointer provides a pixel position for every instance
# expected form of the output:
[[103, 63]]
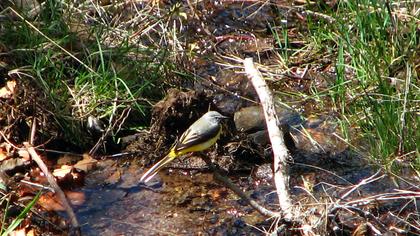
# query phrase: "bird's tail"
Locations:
[[158, 166]]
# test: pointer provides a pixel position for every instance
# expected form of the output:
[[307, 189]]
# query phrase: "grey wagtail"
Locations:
[[201, 135]]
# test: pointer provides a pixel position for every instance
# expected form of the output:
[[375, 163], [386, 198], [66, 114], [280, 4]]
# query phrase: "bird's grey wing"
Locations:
[[194, 136]]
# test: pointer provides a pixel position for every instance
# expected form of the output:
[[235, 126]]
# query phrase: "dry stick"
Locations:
[[55, 186], [226, 181], [36, 185], [403, 131], [362, 213], [280, 151], [361, 183], [120, 120]]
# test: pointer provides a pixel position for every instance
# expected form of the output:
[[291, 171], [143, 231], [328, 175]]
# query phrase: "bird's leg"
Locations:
[[183, 157], [212, 166]]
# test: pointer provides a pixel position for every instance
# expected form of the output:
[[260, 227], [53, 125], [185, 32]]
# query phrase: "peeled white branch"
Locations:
[[280, 151]]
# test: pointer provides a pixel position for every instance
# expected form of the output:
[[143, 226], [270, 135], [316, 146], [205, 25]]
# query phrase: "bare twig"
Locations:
[[302, 9], [406, 92], [54, 185], [402, 221], [371, 179], [40, 186], [33, 131], [398, 194], [216, 173], [280, 151], [321, 15], [110, 128], [57, 151], [362, 213], [7, 140]]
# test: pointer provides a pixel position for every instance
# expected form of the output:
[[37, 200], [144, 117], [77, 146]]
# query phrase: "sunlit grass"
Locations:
[[6, 230], [376, 54], [92, 67]]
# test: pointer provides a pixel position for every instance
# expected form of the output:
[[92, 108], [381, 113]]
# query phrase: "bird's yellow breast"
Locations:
[[198, 147]]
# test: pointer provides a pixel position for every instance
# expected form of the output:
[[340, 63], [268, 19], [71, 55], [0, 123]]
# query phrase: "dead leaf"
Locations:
[[309, 181], [86, 164], [50, 201], [7, 147], [63, 171], [31, 232], [18, 232], [68, 175], [8, 90], [24, 154], [3, 154]]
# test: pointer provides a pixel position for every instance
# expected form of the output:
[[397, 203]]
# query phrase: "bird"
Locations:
[[201, 135]]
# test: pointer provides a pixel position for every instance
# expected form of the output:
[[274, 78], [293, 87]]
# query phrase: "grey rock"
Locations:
[[249, 118], [252, 118]]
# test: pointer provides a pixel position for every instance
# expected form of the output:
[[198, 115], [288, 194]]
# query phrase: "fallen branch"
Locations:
[[54, 185], [280, 151], [226, 181]]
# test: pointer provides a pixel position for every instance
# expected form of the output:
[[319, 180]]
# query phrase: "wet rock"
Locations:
[[105, 169], [252, 118], [249, 118], [95, 126], [238, 86]]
